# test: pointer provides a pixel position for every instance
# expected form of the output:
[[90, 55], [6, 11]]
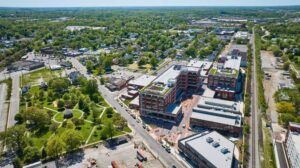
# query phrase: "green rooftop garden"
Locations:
[[224, 72]]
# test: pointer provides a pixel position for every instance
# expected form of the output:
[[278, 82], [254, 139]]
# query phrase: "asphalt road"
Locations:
[[14, 100], [254, 160], [154, 146], [167, 158], [3, 93], [281, 155]]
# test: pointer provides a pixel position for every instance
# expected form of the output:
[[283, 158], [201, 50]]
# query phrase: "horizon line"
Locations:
[[153, 6]]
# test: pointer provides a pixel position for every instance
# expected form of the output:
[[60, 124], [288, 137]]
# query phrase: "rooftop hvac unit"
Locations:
[[209, 139], [224, 150], [215, 144]]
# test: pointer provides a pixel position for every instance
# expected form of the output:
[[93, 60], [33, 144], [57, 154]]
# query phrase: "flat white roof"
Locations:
[[171, 73], [143, 80], [240, 47], [133, 91], [226, 105], [200, 64], [209, 93], [233, 63], [212, 154], [241, 34], [296, 139], [217, 116]]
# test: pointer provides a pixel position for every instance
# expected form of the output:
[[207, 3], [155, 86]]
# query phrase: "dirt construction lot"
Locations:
[[271, 84], [172, 133]]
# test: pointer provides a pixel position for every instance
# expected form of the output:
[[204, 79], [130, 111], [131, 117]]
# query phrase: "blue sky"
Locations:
[[96, 3]]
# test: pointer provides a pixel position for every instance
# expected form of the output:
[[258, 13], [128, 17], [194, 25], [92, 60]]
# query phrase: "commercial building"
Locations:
[[116, 84], [25, 65], [217, 114], [241, 35], [208, 150], [135, 104], [225, 77], [140, 82], [239, 50], [293, 149], [294, 127], [159, 99]]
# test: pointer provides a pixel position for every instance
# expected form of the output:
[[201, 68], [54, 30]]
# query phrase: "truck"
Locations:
[[140, 155]]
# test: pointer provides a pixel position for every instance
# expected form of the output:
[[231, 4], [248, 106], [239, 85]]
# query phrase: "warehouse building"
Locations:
[[25, 65], [208, 150], [217, 114]]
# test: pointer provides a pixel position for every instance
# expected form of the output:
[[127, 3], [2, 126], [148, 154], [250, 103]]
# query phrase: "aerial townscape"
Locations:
[[149, 84]]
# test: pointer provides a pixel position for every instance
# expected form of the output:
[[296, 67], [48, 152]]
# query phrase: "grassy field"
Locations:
[[36, 77], [60, 116], [135, 66], [268, 153]]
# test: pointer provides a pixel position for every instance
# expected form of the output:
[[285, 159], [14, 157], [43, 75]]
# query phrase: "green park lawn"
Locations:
[[43, 74], [89, 117], [60, 116], [40, 137]]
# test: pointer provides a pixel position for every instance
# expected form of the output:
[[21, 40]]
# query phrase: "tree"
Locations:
[[81, 103], [119, 121], [72, 138], [109, 130], [15, 138], [89, 66], [70, 125], [142, 61], [109, 111], [41, 95], [31, 154], [50, 96], [102, 81], [77, 122], [66, 96], [55, 146], [60, 104], [19, 118], [286, 65], [36, 117], [53, 127], [153, 62], [95, 113], [285, 118], [59, 85], [91, 87], [285, 107], [17, 163]]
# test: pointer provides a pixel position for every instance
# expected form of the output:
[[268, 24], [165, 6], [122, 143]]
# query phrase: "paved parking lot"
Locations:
[[124, 155], [122, 72]]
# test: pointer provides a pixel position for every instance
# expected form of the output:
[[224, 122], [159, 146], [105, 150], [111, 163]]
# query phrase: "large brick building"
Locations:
[[160, 98], [225, 77]]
